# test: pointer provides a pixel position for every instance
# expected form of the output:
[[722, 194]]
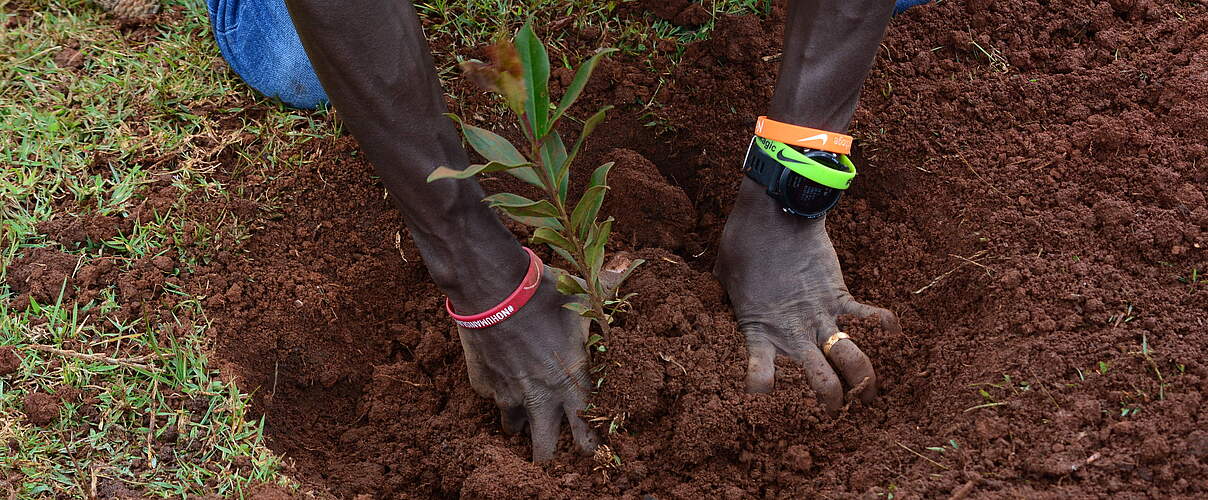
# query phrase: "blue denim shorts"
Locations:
[[258, 41]]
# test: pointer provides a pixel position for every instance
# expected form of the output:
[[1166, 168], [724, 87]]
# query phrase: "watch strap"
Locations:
[[807, 167], [762, 168]]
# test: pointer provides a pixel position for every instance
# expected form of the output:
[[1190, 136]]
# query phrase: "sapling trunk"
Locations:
[[520, 73]]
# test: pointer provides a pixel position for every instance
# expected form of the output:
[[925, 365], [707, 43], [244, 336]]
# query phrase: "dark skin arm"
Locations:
[[780, 270], [373, 61]]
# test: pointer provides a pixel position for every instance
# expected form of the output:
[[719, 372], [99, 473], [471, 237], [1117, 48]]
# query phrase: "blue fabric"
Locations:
[[901, 5], [258, 40]]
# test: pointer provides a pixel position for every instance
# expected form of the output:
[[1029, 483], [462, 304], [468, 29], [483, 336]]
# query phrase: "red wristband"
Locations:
[[509, 306]]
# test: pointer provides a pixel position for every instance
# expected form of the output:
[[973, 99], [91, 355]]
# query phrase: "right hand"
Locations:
[[784, 280], [534, 366]]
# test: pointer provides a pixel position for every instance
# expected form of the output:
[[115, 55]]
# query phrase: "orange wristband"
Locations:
[[803, 136]]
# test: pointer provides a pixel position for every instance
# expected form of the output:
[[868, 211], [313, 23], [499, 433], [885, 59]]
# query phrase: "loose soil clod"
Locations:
[[41, 408], [9, 360]]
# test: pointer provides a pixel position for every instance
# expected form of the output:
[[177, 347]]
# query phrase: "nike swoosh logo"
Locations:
[[819, 137], [780, 156]]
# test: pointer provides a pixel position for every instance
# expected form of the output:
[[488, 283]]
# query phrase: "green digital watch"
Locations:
[[806, 182]]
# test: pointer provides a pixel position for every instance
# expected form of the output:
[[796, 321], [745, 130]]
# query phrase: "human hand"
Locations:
[[787, 289], [534, 366]]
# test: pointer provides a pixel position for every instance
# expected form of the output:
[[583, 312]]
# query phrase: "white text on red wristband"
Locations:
[[509, 306]]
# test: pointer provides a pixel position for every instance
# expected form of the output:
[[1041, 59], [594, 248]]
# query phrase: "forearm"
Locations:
[[374, 63], [829, 48]]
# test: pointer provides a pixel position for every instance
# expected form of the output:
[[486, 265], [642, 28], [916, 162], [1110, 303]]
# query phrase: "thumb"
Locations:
[[761, 360]]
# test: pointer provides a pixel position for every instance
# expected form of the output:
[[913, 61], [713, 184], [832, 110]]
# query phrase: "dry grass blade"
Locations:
[[139, 363], [924, 457], [972, 259]]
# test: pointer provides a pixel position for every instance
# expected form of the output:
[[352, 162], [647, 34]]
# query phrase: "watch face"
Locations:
[[807, 197]]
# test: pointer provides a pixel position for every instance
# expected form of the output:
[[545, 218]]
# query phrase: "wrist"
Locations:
[[753, 205], [470, 255]]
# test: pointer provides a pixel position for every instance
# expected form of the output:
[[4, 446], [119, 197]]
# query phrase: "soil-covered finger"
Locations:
[[761, 365], [545, 422], [889, 319], [856, 369], [822, 378]]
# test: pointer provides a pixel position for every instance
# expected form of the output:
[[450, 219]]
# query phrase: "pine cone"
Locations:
[[130, 9]]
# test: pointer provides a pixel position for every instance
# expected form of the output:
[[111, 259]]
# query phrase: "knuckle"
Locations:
[[537, 398]]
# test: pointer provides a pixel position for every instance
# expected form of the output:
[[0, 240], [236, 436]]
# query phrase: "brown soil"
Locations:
[[1033, 216], [41, 408], [9, 360], [678, 12]]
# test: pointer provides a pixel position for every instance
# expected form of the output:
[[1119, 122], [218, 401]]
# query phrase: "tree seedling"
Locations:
[[520, 73]]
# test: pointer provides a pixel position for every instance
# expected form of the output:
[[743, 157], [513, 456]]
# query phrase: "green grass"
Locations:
[[90, 141], [84, 142]]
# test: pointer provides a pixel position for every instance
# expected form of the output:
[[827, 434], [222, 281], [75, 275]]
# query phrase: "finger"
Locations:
[[545, 422], [761, 363], [856, 369], [512, 417], [821, 377], [889, 320], [585, 439]]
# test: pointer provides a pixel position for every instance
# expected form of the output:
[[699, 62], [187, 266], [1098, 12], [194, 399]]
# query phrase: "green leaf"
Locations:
[[549, 222], [600, 176], [594, 253], [588, 127], [535, 62], [589, 205], [585, 212], [576, 86], [448, 173], [568, 285], [521, 206], [566, 255], [580, 308], [490, 145], [553, 156], [551, 238], [526, 174]]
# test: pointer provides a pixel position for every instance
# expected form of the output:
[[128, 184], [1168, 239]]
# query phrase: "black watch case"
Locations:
[[797, 194]]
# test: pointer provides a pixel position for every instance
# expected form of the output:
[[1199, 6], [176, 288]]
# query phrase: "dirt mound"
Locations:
[[649, 211], [43, 275]]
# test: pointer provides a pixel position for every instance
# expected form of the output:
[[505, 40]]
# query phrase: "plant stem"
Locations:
[[552, 191]]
